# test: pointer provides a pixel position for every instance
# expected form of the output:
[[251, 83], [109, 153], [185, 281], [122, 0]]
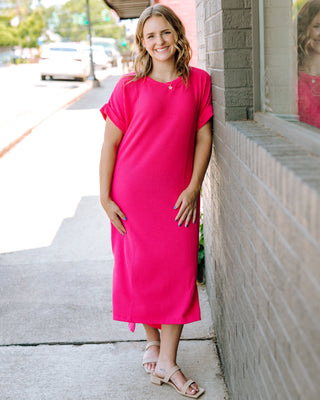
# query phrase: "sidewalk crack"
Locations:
[[82, 343]]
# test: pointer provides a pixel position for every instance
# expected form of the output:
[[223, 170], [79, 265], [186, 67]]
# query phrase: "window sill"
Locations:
[[304, 135]]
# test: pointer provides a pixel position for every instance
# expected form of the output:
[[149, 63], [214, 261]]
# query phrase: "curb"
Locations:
[[57, 105]]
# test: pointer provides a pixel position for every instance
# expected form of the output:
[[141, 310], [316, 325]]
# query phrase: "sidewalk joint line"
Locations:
[[82, 343]]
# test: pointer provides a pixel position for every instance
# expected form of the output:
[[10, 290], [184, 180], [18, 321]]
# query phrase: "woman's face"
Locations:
[[158, 39], [315, 34]]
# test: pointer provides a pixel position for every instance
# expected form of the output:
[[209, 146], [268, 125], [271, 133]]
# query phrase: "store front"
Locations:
[[262, 195]]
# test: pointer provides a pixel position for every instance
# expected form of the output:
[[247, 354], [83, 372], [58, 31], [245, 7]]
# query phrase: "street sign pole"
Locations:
[[96, 83]]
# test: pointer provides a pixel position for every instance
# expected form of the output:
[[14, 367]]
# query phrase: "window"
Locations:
[[289, 36]]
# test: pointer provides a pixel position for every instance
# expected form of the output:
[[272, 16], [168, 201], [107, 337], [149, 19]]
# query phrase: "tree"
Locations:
[[74, 20], [69, 21], [30, 29], [8, 36], [296, 6]]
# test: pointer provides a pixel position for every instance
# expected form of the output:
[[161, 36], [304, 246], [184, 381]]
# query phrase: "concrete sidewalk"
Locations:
[[57, 337]]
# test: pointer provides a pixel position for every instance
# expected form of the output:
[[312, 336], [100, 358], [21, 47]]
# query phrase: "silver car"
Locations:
[[64, 60]]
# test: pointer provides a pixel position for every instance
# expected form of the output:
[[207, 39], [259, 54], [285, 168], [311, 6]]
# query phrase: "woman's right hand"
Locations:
[[114, 213]]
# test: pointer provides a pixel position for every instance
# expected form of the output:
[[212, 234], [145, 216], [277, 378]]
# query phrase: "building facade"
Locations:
[[186, 10], [261, 203]]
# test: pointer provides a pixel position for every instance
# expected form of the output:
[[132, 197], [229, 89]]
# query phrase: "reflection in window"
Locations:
[[290, 59], [308, 26]]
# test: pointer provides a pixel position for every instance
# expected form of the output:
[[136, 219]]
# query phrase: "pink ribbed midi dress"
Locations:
[[155, 262]]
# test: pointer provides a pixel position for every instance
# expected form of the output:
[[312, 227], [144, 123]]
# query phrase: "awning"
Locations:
[[127, 9]]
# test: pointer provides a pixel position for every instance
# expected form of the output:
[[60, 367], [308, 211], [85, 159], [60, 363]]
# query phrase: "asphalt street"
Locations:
[[26, 100]]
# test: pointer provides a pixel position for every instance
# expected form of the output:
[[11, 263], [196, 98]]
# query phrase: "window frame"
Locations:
[[297, 132]]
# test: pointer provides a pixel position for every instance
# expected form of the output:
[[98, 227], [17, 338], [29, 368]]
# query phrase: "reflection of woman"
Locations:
[[156, 149], [309, 63]]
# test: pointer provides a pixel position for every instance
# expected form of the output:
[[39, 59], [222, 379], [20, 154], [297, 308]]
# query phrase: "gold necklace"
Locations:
[[161, 80]]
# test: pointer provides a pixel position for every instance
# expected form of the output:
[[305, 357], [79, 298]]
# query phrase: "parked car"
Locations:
[[100, 58], [64, 60], [110, 48], [115, 55], [109, 54]]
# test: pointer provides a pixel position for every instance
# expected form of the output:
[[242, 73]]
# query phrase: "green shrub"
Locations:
[[200, 274]]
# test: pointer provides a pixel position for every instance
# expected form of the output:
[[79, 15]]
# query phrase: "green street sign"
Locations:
[[80, 19]]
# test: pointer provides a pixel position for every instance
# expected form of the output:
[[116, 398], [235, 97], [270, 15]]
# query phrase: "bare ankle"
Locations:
[[152, 334], [166, 363]]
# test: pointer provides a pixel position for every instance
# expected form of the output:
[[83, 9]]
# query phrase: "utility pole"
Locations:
[[92, 77]]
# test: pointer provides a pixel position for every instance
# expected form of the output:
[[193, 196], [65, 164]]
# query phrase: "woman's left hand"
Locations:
[[187, 203]]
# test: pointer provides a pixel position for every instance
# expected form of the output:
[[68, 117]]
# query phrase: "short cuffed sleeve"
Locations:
[[205, 109], [115, 107]]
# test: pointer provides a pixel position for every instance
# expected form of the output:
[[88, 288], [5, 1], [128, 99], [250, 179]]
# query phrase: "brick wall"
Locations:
[[186, 11], [262, 227]]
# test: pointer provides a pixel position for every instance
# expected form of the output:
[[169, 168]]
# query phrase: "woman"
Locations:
[[309, 63], [155, 153]]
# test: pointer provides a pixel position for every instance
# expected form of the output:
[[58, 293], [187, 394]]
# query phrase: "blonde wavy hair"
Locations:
[[143, 63], [304, 19]]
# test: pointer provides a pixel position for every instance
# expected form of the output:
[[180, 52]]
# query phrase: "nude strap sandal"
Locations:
[[150, 360], [159, 381]]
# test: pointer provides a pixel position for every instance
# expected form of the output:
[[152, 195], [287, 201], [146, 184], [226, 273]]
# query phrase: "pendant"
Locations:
[[170, 87]]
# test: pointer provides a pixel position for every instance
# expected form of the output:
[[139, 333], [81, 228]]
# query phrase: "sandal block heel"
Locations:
[[156, 380]]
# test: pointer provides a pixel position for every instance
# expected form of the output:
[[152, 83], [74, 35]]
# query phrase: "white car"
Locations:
[[100, 58], [64, 60]]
